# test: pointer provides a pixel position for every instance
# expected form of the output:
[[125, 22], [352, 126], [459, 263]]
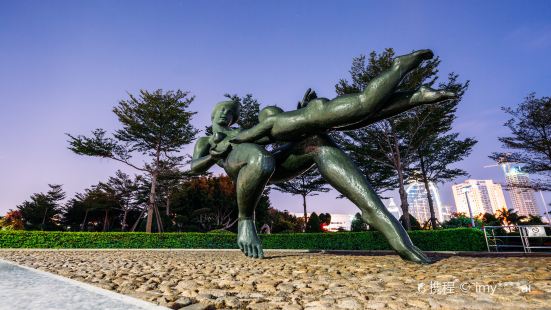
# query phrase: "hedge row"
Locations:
[[460, 239]]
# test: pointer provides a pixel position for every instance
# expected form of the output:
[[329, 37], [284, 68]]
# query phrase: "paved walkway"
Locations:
[[26, 288]]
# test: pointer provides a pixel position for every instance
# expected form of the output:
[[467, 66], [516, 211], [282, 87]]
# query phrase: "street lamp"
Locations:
[[466, 191], [545, 206]]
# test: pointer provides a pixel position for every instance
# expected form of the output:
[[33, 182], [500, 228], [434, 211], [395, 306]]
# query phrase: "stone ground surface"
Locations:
[[287, 280]]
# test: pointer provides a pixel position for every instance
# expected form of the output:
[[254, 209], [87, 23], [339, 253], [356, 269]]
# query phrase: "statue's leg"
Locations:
[[339, 170], [402, 101], [349, 109], [251, 166]]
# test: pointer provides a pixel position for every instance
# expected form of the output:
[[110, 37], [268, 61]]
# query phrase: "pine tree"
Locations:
[[155, 125], [387, 150], [124, 188], [43, 209], [530, 126], [437, 147]]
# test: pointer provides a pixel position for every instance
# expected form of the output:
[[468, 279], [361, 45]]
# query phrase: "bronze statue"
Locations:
[[244, 158]]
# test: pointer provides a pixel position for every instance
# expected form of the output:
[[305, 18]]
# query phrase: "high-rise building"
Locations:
[[419, 203], [522, 196], [483, 196], [447, 212]]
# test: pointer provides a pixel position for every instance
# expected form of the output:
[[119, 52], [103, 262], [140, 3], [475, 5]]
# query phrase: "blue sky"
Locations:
[[65, 64]]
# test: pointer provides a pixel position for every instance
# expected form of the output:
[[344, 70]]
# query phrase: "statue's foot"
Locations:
[[410, 61], [428, 95], [409, 252], [248, 240], [414, 254]]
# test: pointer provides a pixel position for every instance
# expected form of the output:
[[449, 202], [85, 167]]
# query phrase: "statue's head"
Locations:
[[267, 112], [225, 113]]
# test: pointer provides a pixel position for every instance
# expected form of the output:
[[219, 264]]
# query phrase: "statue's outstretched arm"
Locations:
[[258, 134]]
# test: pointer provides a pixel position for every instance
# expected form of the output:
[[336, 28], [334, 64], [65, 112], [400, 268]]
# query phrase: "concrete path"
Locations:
[[26, 288]]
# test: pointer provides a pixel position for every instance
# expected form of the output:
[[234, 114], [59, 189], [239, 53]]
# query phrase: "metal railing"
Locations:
[[518, 238]]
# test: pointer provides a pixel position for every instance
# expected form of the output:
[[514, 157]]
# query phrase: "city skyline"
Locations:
[[69, 63]]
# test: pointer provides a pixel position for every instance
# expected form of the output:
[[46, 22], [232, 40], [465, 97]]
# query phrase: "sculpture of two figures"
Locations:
[[304, 143]]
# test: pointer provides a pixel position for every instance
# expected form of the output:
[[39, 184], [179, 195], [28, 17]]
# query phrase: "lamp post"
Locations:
[[545, 206], [466, 191]]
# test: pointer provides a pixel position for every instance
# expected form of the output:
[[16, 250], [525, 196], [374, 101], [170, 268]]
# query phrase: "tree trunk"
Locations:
[[404, 205], [124, 216], [44, 219], [168, 205], [137, 221], [305, 213], [84, 220], [429, 195], [399, 166], [151, 206], [159, 220], [106, 220]]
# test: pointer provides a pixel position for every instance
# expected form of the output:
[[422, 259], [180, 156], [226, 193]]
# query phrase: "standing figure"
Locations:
[[242, 155]]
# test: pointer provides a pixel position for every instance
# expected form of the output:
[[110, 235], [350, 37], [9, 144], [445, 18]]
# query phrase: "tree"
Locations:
[[413, 222], [94, 209], [325, 218], [437, 148], [124, 189], [358, 223], [314, 224], [385, 150], [532, 220], [155, 125], [283, 221], [530, 126], [307, 184], [205, 203], [509, 216], [43, 209], [489, 219], [104, 199], [460, 220], [12, 221], [249, 109]]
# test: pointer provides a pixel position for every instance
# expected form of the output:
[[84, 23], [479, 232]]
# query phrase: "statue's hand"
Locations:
[[220, 151]]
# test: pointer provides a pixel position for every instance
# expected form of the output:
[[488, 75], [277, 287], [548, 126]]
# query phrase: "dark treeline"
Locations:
[[191, 204]]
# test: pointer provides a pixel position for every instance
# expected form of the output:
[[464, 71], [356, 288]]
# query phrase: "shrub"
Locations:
[[460, 239]]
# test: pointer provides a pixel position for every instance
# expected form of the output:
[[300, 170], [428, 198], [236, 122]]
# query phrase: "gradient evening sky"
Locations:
[[65, 64]]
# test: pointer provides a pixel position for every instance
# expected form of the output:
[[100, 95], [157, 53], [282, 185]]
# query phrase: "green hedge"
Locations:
[[460, 239]]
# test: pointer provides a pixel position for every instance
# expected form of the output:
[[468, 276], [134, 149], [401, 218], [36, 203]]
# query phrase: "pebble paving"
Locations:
[[288, 280]]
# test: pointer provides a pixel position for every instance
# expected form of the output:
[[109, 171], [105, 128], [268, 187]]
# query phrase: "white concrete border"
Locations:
[[107, 293]]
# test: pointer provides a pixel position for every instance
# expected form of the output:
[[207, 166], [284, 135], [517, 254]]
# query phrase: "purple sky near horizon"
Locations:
[[65, 64]]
